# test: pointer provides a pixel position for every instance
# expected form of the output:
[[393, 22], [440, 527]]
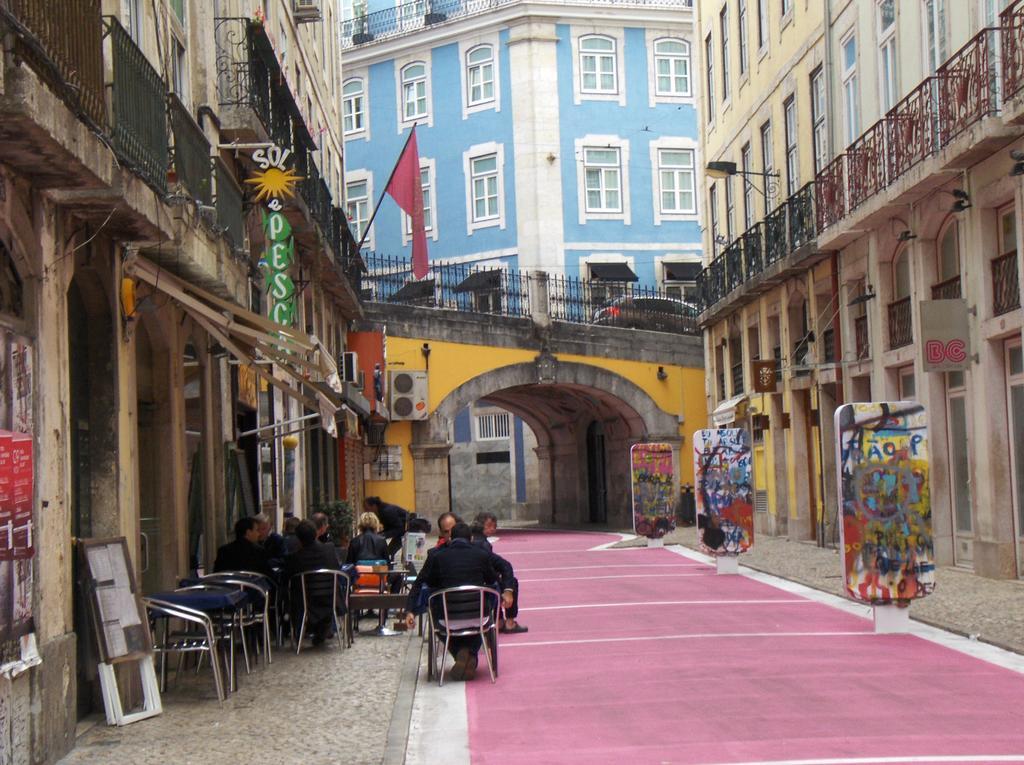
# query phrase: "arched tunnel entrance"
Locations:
[[584, 419]]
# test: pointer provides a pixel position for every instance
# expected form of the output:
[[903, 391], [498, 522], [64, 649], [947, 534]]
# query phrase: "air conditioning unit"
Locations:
[[306, 10], [407, 397], [350, 367]]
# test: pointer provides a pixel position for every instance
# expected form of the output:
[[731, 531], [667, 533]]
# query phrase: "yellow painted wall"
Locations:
[[453, 364]]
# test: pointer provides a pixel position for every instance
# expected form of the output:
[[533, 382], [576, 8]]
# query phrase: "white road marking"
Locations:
[[618, 565], [618, 576], [800, 601], [882, 760], [696, 636]]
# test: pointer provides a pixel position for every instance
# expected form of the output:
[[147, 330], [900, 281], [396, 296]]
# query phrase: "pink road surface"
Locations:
[[644, 656]]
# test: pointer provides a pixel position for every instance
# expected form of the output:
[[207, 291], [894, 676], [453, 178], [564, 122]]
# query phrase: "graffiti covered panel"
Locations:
[[886, 530], [722, 469], [654, 500]]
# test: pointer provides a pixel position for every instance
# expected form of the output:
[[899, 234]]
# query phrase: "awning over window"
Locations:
[[415, 290], [727, 412], [612, 272], [682, 272], [297, 358], [480, 280]]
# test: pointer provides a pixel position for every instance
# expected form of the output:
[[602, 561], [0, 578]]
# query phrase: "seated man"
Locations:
[[244, 554], [452, 565], [310, 556], [486, 525], [272, 543], [322, 525], [392, 517]]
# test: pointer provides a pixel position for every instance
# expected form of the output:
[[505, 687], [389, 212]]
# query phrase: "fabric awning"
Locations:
[[480, 280], [612, 272], [682, 272], [726, 412], [297, 358], [415, 290]]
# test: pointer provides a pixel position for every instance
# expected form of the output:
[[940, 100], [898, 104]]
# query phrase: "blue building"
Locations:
[[555, 136]]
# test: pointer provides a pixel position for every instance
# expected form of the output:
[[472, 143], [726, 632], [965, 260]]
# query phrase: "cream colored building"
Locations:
[[906, 144], [127, 132]]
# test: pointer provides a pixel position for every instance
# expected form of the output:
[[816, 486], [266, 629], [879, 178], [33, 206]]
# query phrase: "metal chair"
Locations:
[[203, 640], [259, 587], [227, 630], [461, 612], [340, 583]]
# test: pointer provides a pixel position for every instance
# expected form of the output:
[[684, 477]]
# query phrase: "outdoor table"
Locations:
[[381, 601], [211, 599]]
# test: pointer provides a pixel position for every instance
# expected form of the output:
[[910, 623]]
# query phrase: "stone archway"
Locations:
[[559, 401]]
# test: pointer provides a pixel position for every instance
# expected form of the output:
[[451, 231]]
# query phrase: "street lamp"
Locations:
[[723, 169]]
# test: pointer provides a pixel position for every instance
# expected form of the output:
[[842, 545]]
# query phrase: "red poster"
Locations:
[[21, 494], [6, 506]]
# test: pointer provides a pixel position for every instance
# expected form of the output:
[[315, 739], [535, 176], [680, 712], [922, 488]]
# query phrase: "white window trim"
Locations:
[[653, 36], [360, 176], [430, 164], [474, 152], [845, 76], [364, 131], [619, 36], [428, 118], [603, 142], [465, 46], [670, 143]]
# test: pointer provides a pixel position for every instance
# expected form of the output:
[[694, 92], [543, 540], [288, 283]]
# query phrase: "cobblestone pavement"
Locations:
[[989, 609], [324, 706]]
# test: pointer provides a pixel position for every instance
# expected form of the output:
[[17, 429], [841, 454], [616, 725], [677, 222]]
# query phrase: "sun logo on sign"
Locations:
[[274, 183]]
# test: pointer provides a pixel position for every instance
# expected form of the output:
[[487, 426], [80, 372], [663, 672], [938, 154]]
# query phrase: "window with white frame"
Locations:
[[820, 134], [748, 187], [934, 12], [426, 186], [792, 158], [723, 20], [848, 61], [597, 65], [887, 53], [676, 174], [767, 162], [730, 210], [353, 106], [179, 68], [414, 91], [709, 71], [493, 426], [480, 75], [485, 187], [672, 67], [742, 21], [762, 24], [133, 20], [357, 205], [713, 213], [787, 6], [603, 180]]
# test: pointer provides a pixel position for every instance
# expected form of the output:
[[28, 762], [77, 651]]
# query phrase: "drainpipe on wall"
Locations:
[[829, 80]]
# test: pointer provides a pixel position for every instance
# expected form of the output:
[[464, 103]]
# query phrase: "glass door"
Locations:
[[1015, 422], [959, 469]]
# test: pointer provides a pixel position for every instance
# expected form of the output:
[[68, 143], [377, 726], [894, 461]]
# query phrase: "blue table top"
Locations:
[[213, 599]]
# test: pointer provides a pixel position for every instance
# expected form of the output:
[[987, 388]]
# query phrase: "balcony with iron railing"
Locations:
[[947, 290], [764, 254], [927, 122], [861, 338], [1005, 284], [901, 325], [411, 17], [737, 378], [191, 153], [828, 346]]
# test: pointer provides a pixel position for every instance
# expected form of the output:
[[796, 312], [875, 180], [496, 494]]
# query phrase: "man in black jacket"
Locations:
[[458, 563], [310, 556], [393, 519], [244, 554]]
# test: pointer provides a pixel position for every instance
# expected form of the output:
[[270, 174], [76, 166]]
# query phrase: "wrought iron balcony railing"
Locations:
[[230, 213], [139, 130], [63, 42], [753, 250], [422, 14], [901, 326], [800, 215], [967, 86], [947, 290], [861, 339], [1005, 284], [865, 160], [191, 152], [1011, 23], [828, 346], [733, 266], [830, 193], [737, 379], [911, 128], [775, 245]]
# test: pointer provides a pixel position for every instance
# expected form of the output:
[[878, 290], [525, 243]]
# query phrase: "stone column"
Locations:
[[430, 468], [545, 484]]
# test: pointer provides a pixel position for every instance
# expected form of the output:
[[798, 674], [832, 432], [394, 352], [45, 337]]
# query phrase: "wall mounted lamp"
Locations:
[[962, 200], [662, 374], [1018, 162], [722, 169], [864, 297]]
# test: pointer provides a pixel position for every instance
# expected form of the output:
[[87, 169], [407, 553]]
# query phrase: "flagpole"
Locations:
[[380, 199]]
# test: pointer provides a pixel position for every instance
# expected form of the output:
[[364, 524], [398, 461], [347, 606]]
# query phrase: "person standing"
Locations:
[[392, 518]]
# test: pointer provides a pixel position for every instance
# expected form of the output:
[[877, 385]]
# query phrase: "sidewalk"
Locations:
[[991, 610]]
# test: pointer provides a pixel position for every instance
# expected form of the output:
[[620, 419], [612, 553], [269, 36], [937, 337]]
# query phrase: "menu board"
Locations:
[[119, 618]]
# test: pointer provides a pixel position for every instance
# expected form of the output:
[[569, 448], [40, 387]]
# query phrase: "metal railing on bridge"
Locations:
[[470, 288]]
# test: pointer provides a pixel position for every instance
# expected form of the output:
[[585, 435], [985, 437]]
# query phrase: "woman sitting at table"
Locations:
[[368, 545]]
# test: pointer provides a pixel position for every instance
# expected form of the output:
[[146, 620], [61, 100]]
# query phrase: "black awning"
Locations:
[[612, 272], [415, 290], [682, 272], [480, 280]]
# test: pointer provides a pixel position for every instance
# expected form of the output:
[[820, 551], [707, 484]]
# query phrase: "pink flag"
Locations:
[[406, 189]]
